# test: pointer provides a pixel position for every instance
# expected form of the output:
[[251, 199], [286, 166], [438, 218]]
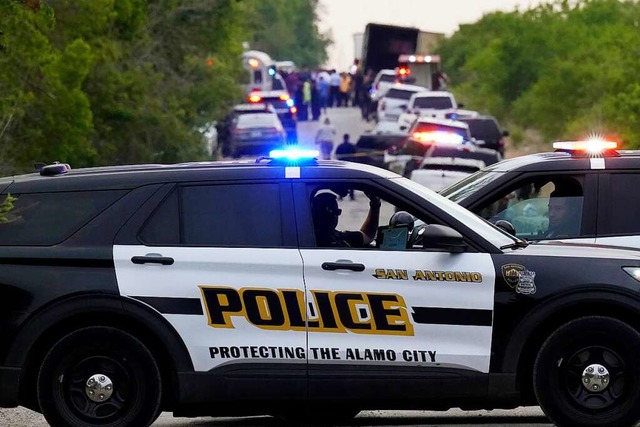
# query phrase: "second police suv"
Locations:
[[209, 289]]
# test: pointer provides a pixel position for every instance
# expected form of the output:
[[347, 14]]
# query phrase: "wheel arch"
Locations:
[[48, 326], [537, 326]]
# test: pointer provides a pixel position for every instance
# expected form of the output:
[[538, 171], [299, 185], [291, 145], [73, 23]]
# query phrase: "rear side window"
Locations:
[[399, 94], [484, 129], [218, 215], [45, 219], [623, 211], [435, 102], [387, 78]]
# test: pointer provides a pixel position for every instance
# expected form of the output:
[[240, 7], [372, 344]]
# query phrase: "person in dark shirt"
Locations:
[[564, 214], [345, 151], [325, 212]]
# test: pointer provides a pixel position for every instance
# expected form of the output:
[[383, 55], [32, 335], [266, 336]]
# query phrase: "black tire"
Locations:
[[564, 377], [106, 355]]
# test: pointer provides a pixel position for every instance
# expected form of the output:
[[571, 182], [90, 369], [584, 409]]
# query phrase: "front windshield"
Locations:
[[469, 185], [471, 220]]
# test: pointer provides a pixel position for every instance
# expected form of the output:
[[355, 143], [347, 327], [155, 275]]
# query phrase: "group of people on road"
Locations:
[[315, 91]]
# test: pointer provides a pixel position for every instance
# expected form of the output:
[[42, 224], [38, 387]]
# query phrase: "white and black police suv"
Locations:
[[594, 181], [225, 289]]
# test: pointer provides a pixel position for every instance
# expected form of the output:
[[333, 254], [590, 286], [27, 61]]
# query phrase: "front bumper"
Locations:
[[9, 387]]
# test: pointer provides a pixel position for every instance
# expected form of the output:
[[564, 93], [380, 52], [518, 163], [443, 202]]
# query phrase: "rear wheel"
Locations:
[[99, 376], [587, 373]]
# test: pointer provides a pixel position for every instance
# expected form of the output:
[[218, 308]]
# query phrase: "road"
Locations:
[[346, 120], [523, 417]]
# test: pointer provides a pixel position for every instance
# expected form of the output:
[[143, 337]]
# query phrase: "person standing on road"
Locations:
[[346, 151], [323, 91], [325, 137], [334, 83], [345, 90]]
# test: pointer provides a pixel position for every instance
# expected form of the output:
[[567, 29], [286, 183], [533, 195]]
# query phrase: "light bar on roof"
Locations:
[[439, 137], [589, 145], [294, 154]]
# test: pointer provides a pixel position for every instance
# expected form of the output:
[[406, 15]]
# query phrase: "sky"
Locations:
[[343, 18]]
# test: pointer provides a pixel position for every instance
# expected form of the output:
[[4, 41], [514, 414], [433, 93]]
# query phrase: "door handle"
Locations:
[[152, 259], [333, 266]]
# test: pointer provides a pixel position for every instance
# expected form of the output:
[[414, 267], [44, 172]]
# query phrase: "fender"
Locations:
[[100, 306], [624, 302]]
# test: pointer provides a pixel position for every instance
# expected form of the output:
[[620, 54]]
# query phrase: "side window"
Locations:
[[625, 220], [359, 217], [44, 219], [540, 209], [218, 215]]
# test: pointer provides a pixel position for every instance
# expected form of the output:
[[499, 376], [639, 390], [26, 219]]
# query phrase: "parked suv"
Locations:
[[432, 103], [237, 288], [395, 101], [600, 186], [487, 131]]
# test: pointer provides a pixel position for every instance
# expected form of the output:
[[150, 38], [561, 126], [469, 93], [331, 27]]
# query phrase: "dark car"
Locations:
[[205, 289], [487, 130], [256, 133], [285, 108], [371, 146], [224, 126], [602, 186]]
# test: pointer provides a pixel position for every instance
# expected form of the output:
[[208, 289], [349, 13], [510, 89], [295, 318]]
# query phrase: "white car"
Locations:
[[396, 100], [383, 81], [432, 103], [438, 173]]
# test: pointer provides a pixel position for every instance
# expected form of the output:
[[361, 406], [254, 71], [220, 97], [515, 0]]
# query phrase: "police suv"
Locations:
[[598, 181], [200, 289]]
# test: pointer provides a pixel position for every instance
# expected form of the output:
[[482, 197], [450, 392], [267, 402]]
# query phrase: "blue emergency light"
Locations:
[[294, 154]]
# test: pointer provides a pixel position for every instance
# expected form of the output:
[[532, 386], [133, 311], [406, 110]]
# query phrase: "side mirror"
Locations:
[[444, 238], [403, 107], [506, 226], [460, 105], [403, 128], [505, 133]]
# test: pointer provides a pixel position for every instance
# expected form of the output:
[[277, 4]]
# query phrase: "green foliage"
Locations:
[[6, 207], [287, 30], [96, 82], [566, 69]]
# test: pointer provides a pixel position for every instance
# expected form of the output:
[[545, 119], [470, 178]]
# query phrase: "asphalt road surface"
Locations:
[[530, 417], [346, 120]]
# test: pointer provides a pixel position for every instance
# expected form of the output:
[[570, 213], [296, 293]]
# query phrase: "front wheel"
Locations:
[[99, 376], [587, 373]]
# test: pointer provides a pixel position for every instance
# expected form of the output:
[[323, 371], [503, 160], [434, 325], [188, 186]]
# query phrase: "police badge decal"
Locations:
[[511, 274], [517, 277]]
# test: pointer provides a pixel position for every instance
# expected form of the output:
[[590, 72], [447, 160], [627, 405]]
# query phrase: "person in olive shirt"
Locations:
[[325, 212]]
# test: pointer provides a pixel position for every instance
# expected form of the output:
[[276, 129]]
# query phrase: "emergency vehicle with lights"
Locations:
[[603, 181], [436, 137], [284, 106], [262, 72], [200, 288]]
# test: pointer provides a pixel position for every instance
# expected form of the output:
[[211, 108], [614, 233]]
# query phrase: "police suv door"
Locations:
[[219, 262], [393, 323]]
